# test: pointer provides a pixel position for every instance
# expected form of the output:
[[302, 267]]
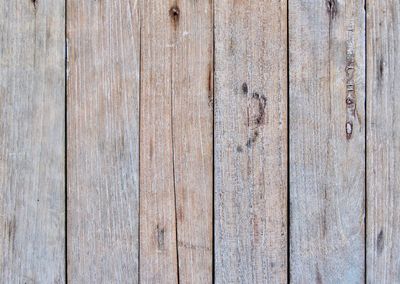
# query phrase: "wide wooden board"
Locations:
[[32, 150], [327, 140], [250, 141], [103, 141], [176, 142]]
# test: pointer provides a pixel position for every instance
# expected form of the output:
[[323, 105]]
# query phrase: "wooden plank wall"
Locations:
[[199, 141]]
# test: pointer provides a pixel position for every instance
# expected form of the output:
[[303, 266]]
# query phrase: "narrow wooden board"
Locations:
[[327, 140], [103, 141], [250, 141], [176, 141], [383, 141], [32, 150]]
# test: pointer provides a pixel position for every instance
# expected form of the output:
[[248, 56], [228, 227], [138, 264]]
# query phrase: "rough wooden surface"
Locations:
[[32, 182], [176, 142], [327, 135], [147, 162], [103, 141], [383, 150], [250, 141]]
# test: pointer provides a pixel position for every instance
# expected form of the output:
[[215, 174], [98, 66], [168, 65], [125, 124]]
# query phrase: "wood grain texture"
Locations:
[[103, 141], [327, 140], [250, 141], [383, 146], [176, 142], [32, 180]]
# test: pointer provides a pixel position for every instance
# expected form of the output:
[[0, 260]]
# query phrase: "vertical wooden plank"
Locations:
[[250, 141], [103, 141], [192, 117], [327, 140], [176, 142], [383, 141], [32, 179]]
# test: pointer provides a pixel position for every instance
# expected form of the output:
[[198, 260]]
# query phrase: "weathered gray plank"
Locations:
[[250, 141], [176, 142], [383, 141], [327, 140], [32, 181], [103, 143]]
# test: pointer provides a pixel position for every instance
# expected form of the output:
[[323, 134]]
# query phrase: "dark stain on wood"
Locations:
[[160, 237], [34, 3], [259, 102], [11, 228], [262, 103], [380, 70], [245, 89], [380, 242], [252, 139]]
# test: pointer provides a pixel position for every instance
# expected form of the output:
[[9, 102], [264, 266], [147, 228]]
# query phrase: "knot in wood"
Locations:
[[349, 101], [331, 6], [174, 13]]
